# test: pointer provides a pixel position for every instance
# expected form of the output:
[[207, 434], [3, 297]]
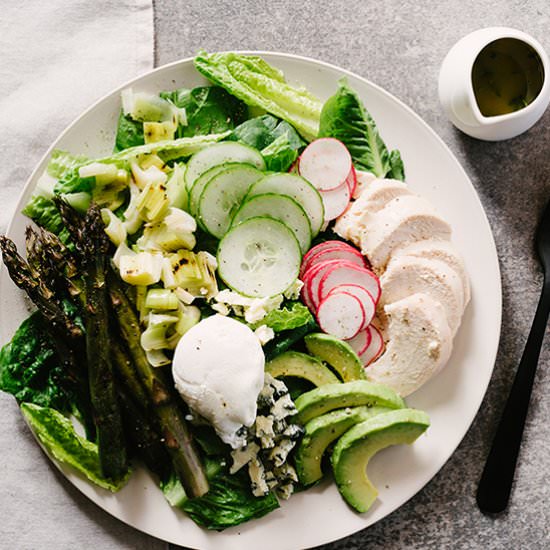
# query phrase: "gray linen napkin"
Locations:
[[56, 59]]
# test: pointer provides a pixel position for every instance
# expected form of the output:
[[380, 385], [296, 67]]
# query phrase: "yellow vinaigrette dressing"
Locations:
[[507, 75]]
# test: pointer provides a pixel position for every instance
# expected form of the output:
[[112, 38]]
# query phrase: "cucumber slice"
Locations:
[[259, 258], [221, 153], [199, 185], [282, 208], [298, 189], [202, 180], [222, 195]]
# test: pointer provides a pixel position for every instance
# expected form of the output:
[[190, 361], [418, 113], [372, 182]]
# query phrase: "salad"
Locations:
[[197, 313]]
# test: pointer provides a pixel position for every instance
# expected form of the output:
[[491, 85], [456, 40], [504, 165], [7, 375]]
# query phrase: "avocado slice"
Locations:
[[339, 396], [320, 432], [355, 448], [337, 353], [301, 365]]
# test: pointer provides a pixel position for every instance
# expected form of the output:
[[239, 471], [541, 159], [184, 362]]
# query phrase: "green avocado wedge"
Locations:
[[320, 432], [338, 354], [301, 365], [355, 448], [339, 396]]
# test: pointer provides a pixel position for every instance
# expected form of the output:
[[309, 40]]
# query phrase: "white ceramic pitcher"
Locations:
[[456, 91]]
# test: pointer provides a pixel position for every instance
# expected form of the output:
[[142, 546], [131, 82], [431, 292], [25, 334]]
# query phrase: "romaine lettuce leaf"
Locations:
[[277, 140], [58, 436], [290, 316], [229, 502], [209, 110], [30, 369], [44, 213], [258, 84], [169, 149], [62, 163], [285, 339], [129, 133], [344, 117]]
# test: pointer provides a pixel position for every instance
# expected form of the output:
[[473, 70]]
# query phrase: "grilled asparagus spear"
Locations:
[[107, 414], [176, 435]]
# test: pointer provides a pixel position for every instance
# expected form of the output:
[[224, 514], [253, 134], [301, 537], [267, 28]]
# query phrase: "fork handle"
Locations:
[[496, 481]]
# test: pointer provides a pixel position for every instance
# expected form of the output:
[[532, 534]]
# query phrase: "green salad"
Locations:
[[202, 214]]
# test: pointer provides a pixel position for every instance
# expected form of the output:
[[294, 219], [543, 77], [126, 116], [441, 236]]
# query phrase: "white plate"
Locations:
[[452, 398]]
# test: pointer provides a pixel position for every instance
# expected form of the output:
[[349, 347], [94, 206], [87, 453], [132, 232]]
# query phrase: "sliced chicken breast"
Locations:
[[419, 344], [404, 220], [374, 196], [439, 250], [408, 275]]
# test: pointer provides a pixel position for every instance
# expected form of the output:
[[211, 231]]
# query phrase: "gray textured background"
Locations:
[[398, 44]]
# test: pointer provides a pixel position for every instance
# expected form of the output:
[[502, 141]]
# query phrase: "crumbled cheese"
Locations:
[[252, 309], [264, 431], [264, 333], [256, 471], [284, 406], [285, 491], [279, 453], [293, 292], [222, 309], [243, 456]]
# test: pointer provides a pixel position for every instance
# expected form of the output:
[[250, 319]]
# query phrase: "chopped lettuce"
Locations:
[[62, 163], [169, 149], [285, 339], [291, 316], [129, 133], [30, 369], [344, 117], [229, 502], [258, 84], [277, 140], [44, 213], [209, 110], [59, 437]]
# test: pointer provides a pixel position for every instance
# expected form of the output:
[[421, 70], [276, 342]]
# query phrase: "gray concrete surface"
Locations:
[[398, 44]]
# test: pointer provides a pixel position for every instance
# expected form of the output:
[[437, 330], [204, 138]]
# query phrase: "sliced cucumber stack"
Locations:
[[220, 153], [222, 195], [298, 189], [259, 258], [282, 208]]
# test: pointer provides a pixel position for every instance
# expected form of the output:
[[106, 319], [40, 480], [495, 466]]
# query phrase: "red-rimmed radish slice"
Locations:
[[326, 244], [341, 314], [344, 273], [335, 201], [312, 279], [307, 298], [360, 342], [352, 180], [364, 296], [325, 163], [374, 349], [332, 253]]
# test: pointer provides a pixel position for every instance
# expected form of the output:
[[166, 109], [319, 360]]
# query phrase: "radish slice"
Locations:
[[325, 163], [312, 280], [341, 314], [360, 341], [307, 297], [364, 296], [324, 245], [343, 273], [374, 349], [335, 201], [334, 253], [352, 181]]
